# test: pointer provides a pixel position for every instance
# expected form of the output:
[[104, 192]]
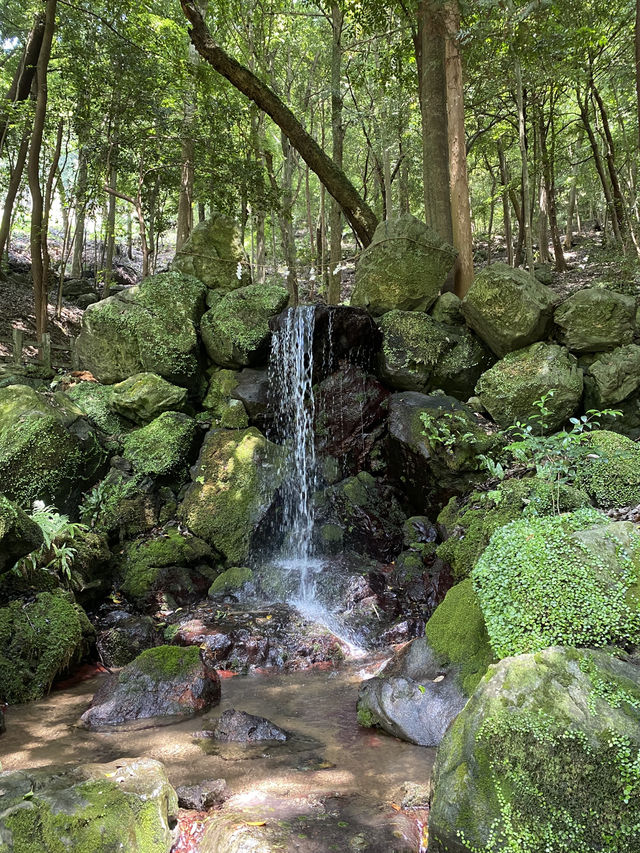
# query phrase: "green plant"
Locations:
[[443, 429], [56, 554]]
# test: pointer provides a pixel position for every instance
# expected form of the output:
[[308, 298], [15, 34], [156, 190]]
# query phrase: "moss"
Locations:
[[164, 663], [231, 580], [144, 396], [457, 634], [218, 399], [173, 293], [95, 400], [365, 718], [142, 561], [610, 469], [38, 641], [163, 447], [119, 503]]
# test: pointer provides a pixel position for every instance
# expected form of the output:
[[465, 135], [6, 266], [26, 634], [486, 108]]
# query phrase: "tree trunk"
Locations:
[[430, 61], [619, 203], [337, 137], [20, 88], [460, 208], [506, 213], [550, 190], [12, 191], [637, 51], [48, 198], [81, 207], [33, 170], [110, 236], [358, 213]]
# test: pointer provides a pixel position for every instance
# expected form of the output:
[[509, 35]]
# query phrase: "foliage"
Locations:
[[57, 553]]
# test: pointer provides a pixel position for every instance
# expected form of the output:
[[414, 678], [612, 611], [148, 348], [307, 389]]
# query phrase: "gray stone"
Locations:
[[596, 319], [240, 727], [613, 377]]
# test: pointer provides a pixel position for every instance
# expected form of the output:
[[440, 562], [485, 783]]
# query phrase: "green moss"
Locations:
[[119, 503], [231, 580], [38, 640], [457, 634], [559, 580], [162, 448], [95, 400], [142, 561], [610, 469], [166, 662], [365, 718]]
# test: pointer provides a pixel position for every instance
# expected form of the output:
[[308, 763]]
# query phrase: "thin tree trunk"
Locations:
[[22, 82], [637, 57], [506, 213], [619, 202], [48, 198], [110, 236], [12, 191], [337, 142], [81, 207], [550, 188]]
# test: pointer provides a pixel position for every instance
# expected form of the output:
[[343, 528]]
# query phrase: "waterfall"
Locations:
[[291, 391]]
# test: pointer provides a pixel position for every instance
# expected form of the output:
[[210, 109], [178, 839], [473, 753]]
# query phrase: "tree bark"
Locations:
[[81, 207], [506, 213], [25, 73], [618, 199], [337, 142], [550, 189], [12, 191], [637, 57], [360, 216]]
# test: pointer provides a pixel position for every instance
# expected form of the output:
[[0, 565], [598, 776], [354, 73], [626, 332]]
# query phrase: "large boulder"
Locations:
[[542, 758], [236, 331], [596, 319], [420, 354], [221, 408], [19, 534], [214, 254], [125, 805], [167, 681], [609, 469], [508, 308], [235, 481], [95, 401], [404, 267], [510, 389], [148, 328], [569, 579], [48, 451], [163, 448], [144, 396], [39, 639], [613, 377]]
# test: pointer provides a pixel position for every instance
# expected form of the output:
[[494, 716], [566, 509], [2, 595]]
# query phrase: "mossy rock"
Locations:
[[94, 808], [235, 331], [230, 581], [448, 309], [609, 469], [403, 268], [470, 522], [164, 447], [457, 634], [38, 641], [508, 308], [148, 328], [214, 253], [596, 319], [570, 579], [47, 450], [19, 534], [144, 396], [122, 504], [95, 401], [235, 482], [509, 390], [218, 404], [543, 757], [142, 562], [613, 377]]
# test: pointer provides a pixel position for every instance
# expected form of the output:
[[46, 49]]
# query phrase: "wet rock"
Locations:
[[143, 397], [403, 268], [240, 727], [204, 796], [19, 534], [218, 405], [418, 530], [596, 319], [613, 377], [122, 504], [508, 308], [125, 805], [252, 389], [123, 636], [164, 681], [231, 581], [214, 254]]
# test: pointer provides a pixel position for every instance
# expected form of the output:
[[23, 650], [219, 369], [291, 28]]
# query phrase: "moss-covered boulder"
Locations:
[[236, 479], [167, 681], [19, 534], [214, 254], [95, 401], [613, 377], [419, 354], [508, 308], [220, 407], [468, 523], [404, 267], [122, 504], [148, 564], [144, 396], [609, 469], [148, 328], [543, 757], [231, 581], [48, 451], [236, 331], [39, 640], [448, 309], [596, 319], [569, 579], [510, 388], [163, 448], [92, 808]]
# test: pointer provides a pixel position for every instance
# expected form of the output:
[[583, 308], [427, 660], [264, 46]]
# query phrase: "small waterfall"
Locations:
[[291, 390]]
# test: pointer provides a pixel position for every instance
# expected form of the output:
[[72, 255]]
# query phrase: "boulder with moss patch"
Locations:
[[613, 377], [148, 328], [508, 308], [19, 534], [543, 757], [236, 331], [95, 401], [92, 808], [144, 396], [468, 523], [121, 504], [167, 681], [510, 389], [596, 319], [569, 579], [448, 309], [609, 469], [214, 254], [219, 405], [231, 581], [235, 482], [39, 640], [164, 448], [404, 267]]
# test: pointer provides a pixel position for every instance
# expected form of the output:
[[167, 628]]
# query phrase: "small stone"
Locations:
[[240, 727], [204, 796]]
